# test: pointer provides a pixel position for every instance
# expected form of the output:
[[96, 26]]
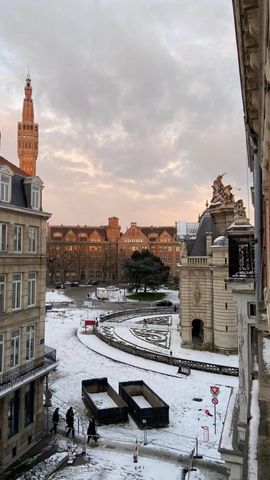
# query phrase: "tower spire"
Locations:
[[28, 132]]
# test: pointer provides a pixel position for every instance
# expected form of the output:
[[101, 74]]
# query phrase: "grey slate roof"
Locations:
[[207, 225]]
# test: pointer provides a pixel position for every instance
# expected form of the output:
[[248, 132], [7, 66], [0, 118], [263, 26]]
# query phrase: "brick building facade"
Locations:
[[86, 253]]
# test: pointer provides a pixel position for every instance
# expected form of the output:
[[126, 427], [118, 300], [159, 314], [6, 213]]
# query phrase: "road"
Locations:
[[78, 294]]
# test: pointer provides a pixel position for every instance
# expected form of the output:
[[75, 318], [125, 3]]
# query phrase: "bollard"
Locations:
[[144, 421]]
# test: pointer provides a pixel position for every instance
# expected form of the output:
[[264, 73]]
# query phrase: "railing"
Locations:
[[197, 259], [128, 314], [159, 357], [29, 369]]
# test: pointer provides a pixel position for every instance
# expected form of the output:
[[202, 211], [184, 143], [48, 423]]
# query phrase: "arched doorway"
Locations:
[[197, 331]]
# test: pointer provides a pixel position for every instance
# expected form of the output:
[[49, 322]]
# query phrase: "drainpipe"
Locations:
[[257, 179]]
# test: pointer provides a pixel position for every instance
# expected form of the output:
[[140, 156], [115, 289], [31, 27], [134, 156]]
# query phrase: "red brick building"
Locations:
[[86, 253]]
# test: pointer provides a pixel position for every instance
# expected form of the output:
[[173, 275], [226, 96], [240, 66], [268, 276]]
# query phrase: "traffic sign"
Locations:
[[214, 401], [214, 390]]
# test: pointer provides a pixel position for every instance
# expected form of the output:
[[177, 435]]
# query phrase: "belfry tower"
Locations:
[[28, 133]]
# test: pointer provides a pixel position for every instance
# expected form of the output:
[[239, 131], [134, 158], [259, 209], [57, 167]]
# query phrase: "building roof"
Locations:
[[77, 229], [14, 168], [158, 230], [206, 225]]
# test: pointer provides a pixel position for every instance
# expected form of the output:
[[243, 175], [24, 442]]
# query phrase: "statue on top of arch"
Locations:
[[222, 194]]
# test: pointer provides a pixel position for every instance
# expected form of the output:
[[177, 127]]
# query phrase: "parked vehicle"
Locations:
[[102, 293], [93, 282], [164, 303], [74, 284], [59, 285], [48, 306]]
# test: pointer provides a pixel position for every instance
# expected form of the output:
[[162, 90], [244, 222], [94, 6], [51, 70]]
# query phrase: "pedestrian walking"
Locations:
[[55, 420], [92, 431], [136, 452], [70, 422]]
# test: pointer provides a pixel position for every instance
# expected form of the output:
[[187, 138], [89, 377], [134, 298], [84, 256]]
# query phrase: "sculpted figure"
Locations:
[[239, 209], [218, 188], [228, 197], [197, 293], [183, 249]]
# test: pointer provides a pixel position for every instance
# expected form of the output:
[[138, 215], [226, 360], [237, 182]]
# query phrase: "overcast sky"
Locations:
[[138, 104]]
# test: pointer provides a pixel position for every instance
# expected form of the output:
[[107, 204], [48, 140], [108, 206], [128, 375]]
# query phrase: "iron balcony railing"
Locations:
[[29, 369]]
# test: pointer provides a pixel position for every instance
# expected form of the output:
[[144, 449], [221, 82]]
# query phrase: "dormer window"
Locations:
[[33, 191], [5, 188], [35, 196], [5, 183]]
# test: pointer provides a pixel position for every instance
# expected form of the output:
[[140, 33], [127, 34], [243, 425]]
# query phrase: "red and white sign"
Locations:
[[215, 391], [214, 401], [89, 323]]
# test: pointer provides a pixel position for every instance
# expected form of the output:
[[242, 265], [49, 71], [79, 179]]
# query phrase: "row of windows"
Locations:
[[16, 299], [15, 348], [27, 127], [27, 145], [5, 191], [18, 232]]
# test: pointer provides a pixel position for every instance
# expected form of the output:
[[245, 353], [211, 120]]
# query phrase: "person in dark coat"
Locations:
[[92, 431], [55, 420], [70, 422]]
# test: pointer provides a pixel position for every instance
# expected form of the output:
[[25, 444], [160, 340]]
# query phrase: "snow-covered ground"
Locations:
[[57, 296], [187, 397], [120, 295]]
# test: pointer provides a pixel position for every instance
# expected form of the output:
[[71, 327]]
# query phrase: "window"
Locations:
[[16, 291], [17, 238], [13, 415], [31, 289], [32, 239], [1, 353], [3, 237], [35, 197], [2, 293], [29, 405], [252, 310], [15, 348], [30, 342], [5, 190]]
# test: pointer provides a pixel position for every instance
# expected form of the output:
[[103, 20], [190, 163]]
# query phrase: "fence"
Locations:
[[28, 369], [159, 357]]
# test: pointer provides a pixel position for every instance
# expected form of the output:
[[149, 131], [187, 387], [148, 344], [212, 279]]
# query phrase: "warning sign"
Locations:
[[214, 390]]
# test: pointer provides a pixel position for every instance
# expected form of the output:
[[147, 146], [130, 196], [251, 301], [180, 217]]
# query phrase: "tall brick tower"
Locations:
[[28, 133]]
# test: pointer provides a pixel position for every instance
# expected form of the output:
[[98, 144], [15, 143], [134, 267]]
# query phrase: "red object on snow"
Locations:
[[208, 413], [89, 323]]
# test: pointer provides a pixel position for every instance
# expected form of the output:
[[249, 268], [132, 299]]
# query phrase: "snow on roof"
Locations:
[[226, 442], [266, 353], [253, 432]]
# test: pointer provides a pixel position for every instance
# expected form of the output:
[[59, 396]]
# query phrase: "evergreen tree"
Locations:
[[143, 269]]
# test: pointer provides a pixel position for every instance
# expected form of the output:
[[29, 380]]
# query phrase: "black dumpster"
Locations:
[[103, 401], [145, 406]]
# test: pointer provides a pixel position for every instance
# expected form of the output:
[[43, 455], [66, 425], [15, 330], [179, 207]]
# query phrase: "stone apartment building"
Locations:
[[208, 311], [245, 443], [97, 253], [24, 359]]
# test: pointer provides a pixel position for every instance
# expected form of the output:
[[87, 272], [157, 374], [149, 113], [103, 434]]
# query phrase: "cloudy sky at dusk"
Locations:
[[138, 104]]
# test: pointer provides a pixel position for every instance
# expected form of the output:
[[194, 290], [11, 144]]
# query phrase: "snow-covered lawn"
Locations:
[[78, 362], [57, 296]]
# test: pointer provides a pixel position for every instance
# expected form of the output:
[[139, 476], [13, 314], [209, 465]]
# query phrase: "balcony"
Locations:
[[198, 260], [28, 372]]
